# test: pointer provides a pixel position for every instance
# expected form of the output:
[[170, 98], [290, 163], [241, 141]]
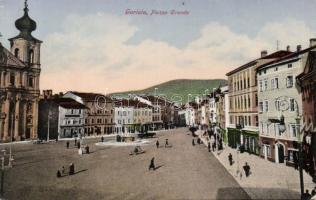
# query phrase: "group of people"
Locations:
[[166, 143], [71, 171], [78, 145], [307, 195], [246, 167]]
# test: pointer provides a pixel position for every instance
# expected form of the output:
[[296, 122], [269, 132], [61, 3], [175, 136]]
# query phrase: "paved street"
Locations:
[[184, 172]]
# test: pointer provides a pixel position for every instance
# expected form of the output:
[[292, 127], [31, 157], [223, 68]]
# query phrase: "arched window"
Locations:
[[31, 56], [16, 52]]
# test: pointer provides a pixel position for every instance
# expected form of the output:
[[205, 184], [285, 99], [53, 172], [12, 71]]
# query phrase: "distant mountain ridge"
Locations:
[[178, 90]]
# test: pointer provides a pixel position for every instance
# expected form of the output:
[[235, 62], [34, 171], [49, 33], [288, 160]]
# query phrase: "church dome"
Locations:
[[25, 24]]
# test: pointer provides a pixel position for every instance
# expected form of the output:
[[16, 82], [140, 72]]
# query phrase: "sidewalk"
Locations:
[[267, 180]]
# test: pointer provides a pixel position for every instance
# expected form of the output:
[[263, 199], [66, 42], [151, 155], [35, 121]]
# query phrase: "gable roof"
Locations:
[[286, 57], [69, 103], [8, 59], [274, 55], [88, 96]]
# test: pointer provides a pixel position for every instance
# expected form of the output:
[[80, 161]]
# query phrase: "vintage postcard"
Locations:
[[157, 99]]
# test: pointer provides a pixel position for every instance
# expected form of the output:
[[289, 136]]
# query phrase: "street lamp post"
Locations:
[[48, 122]]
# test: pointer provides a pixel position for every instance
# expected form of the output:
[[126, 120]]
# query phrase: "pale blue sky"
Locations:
[[257, 24]]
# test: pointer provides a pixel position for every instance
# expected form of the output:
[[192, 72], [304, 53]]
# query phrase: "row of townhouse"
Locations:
[[76, 113], [271, 104]]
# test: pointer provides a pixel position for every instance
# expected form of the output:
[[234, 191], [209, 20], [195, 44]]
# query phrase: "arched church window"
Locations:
[[31, 56], [16, 52]]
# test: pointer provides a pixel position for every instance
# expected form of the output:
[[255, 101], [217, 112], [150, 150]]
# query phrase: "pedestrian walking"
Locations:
[[78, 145], [58, 174], [157, 144], [306, 195], [71, 169], [75, 141], [209, 146], [167, 143], [67, 144], [230, 159], [198, 140], [313, 192], [246, 169], [152, 164], [102, 139], [193, 143], [87, 149]]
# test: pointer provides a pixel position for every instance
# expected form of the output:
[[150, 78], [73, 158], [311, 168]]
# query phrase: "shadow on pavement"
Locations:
[[256, 193], [158, 167]]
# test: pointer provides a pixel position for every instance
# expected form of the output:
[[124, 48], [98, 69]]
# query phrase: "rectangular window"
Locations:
[[260, 86], [249, 120], [266, 106], [277, 105], [260, 106], [289, 81], [289, 65], [272, 83], [292, 105], [293, 130], [265, 84], [12, 79], [30, 82]]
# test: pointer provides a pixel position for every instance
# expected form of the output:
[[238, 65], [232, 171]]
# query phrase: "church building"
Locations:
[[19, 83]]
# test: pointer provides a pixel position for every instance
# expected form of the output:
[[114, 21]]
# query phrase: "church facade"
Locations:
[[19, 83]]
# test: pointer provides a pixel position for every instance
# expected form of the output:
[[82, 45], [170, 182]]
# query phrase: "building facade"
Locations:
[[100, 113], [280, 107], [20, 69], [61, 118], [307, 82], [243, 104]]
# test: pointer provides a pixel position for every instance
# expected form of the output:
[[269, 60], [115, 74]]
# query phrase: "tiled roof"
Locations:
[[130, 103], [90, 96], [69, 103], [275, 55], [160, 100], [286, 57]]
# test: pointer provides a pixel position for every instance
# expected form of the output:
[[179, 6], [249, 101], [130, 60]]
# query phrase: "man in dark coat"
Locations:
[[152, 164], [167, 143], [230, 159], [157, 144], [102, 139], [87, 149], [67, 144], [75, 141], [193, 143], [71, 169], [246, 169], [78, 143]]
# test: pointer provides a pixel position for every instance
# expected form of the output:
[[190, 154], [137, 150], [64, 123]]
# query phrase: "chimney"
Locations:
[[312, 42], [264, 53], [298, 48], [47, 94], [288, 48]]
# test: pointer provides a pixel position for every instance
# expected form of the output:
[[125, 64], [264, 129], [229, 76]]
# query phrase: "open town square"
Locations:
[[157, 99]]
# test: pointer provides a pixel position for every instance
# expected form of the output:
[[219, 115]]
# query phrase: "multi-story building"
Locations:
[[307, 82], [280, 106], [123, 116], [100, 115], [19, 83], [222, 111], [242, 85], [156, 103], [60, 118], [143, 116], [204, 110]]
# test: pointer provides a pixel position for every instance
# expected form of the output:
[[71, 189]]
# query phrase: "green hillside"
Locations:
[[178, 90]]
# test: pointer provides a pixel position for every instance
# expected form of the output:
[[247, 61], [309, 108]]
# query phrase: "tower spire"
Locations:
[[26, 9]]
